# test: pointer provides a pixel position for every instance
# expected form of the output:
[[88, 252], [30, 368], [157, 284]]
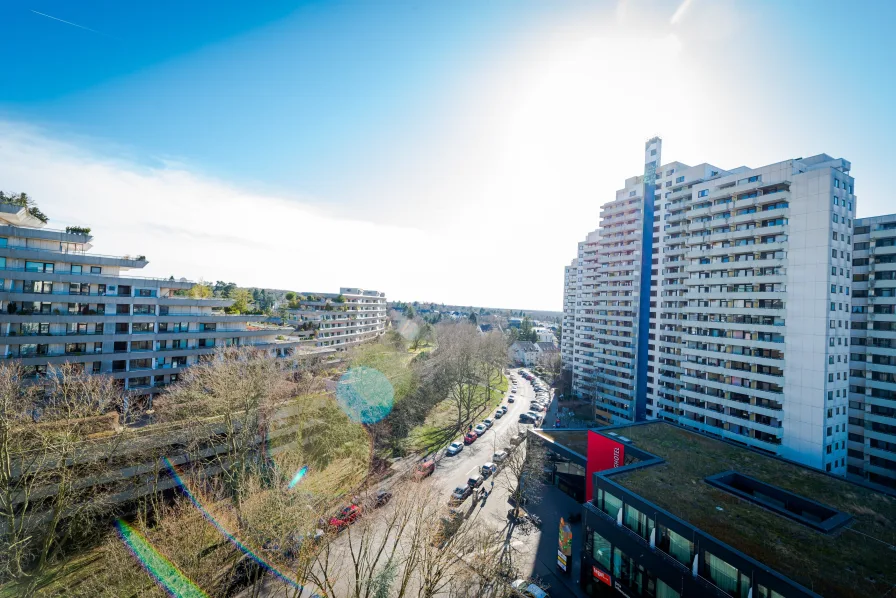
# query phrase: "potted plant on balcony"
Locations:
[[78, 230]]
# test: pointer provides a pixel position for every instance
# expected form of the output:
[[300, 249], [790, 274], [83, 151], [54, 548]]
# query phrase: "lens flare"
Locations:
[[165, 573], [365, 395], [217, 525], [298, 477]]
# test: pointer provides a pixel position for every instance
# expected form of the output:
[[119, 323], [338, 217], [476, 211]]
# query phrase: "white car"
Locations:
[[513, 390], [499, 414], [488, 422], [480, 429], [530, 590], [499, 456], [488, 469], [454, 448], [534, 415]]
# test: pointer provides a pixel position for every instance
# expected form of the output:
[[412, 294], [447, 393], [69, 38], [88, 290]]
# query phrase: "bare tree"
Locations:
[[228, 400], [56, 437], [522, 475]]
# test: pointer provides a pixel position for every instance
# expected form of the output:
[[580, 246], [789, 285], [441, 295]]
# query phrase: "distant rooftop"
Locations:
[[857, 559]]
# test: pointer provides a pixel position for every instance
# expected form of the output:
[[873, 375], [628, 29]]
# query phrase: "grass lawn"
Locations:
[[439, 428]]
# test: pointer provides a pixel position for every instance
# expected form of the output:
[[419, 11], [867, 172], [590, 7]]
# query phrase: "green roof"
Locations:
[[857, 560]]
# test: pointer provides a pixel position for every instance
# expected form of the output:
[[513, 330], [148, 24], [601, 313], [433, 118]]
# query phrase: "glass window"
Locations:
[[96, 270], [76, 269], [3, 262], [637, 521], [600, 551], [3, 241], [664, 591], [721, 573], [608, 503], [33, 267], [676, 545]]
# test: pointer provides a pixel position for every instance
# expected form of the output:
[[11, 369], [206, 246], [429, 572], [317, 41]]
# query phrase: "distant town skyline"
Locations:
[[449, 150]]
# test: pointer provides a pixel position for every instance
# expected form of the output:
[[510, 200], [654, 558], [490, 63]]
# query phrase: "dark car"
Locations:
[[510, 399], [382, 497], [345, 517], [470, 437], [460, 494]]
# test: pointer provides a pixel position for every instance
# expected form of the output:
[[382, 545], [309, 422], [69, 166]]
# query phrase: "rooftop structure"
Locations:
[[708, 517]]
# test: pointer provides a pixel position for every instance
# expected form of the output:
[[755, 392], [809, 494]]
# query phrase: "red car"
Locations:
[[345, 517], [470, 437]]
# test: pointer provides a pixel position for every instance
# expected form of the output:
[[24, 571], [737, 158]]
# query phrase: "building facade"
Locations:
[[60, 303], [710, 304], [871, 442], [674, 512], [344, 319]]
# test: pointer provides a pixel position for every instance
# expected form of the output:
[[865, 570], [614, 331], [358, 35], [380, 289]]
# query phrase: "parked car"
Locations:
[[510, 399], [475, 480], [426, 467], [488, 422], [345, 517], [455, 447], [382, 497], [499, 456], [480, 429], [460, 494], [521, 587], [526, 418], [503, 408], [489, 468], [499, 414], [470, 437]]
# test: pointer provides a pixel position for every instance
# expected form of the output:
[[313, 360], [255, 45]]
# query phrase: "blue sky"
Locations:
[[420, 148]]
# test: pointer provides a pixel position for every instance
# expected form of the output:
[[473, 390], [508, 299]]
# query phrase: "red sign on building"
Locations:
[[603, 453], [598, 574]]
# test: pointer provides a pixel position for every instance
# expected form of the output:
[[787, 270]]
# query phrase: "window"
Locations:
[[703, 193], [608, 503], [835, 218], [637, 521], [754, 179], [679, 179], [631, 193], [76, 269], [652, 152], [675, 545], [721, 573], [600, 551], [835, 236], [96, 270]]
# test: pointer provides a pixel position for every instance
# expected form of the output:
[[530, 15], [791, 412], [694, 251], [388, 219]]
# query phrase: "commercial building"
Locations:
[[871, 441], [672, 512], [705, 301], [344, 319], [60, 303]]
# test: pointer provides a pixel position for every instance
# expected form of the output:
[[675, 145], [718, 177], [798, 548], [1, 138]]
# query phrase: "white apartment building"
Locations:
[[344, 319], [60, 303], [570, 278], [760, 360], [871, 443]]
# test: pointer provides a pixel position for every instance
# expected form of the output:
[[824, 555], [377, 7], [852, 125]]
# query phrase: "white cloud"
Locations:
[[194, 226], [679, 13]]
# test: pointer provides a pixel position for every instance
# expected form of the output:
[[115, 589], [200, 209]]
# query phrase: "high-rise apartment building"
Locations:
[[712, 303], [344, 319], [871, 443], [60, 303]]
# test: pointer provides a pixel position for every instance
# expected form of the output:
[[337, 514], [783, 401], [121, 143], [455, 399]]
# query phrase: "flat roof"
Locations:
[[858, 559]]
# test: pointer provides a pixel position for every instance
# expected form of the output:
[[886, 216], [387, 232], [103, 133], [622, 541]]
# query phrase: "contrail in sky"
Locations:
[[70, 23]]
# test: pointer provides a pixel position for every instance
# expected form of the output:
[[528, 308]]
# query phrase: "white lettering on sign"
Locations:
[[616, 457]]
